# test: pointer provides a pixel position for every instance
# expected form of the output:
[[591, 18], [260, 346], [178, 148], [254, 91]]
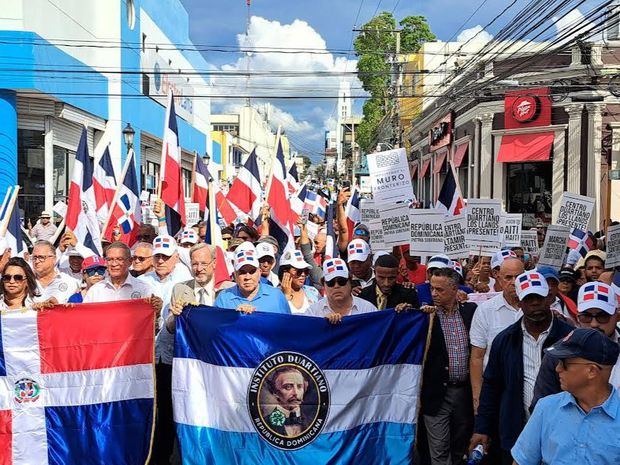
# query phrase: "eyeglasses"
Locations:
[[100, 270], [563, 363], [202, 264], [115, 260], [18, 278], [161, 257], [586, 317], [138, 258], [243, 272], [41, 258], [339, 280]]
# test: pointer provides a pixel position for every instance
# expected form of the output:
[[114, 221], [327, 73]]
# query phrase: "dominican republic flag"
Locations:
[[450, 199], [282, 218], [298, 200], [201, 193], [331, 244], [316, 204], [246, 190], [11, 223], [171, 179], [357, 387], [352, 212], [104, 183], [292, 179], [126, 211], [77, 384], [580, 241], [223, 266], [82, 206], [595, 292]]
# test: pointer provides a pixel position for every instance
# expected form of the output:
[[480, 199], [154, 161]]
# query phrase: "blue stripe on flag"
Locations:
[[110, 433], [2, 362], [366, 444], [333, 347]]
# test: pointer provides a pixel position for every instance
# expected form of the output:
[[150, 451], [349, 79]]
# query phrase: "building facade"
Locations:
[[99, 64]]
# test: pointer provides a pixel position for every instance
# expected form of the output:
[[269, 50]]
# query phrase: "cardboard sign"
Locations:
[[396, 224], [377, 242], [575, 211], [192, 213], [554, 248], [389, 176], [483, 223], [613, 246], [454, 229], [511, 229], [529, 242], [368, 212], [426, 232]]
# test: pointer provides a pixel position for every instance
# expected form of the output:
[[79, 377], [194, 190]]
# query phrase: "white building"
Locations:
[[344, 112]]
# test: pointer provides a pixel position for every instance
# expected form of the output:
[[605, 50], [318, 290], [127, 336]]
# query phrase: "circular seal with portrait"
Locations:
[[288, 400]]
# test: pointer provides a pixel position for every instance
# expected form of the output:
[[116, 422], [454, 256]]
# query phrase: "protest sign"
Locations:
[[368, 211], [395, 224], [613, 246], [529, 242], [454, 236], [511, 229], [483, 222], [60, 208], [480, 297], [554, 248], [376, 236], [389, 176], [426, 232], [575, 211], [192, 213]]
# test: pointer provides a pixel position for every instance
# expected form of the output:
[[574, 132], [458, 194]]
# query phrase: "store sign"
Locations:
[[440, 134], [527, 108]]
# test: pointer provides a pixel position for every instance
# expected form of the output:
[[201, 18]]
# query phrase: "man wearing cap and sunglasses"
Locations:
[[596, 309], [44, 230], [93, 271], [582, 424]]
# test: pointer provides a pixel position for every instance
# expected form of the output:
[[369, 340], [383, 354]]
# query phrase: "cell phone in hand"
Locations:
[[304, 216]]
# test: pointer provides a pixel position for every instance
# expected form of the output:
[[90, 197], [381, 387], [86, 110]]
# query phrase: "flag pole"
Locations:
[[273, 160], [192, 185], [117, 191]]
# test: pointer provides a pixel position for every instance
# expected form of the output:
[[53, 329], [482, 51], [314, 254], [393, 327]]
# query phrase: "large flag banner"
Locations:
[[296, 390], [246, 190], [104, 183], [77, 384], [450, 199]]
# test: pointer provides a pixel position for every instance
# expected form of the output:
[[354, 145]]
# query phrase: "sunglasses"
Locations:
[[18, 278], [100, 270], [244, 272], [138, 258], [586, 317], [563, 363], [297, 272], [339, 280]]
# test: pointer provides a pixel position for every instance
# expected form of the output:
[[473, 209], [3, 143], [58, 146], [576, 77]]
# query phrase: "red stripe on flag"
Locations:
[[6, 437], [75, 206], [94, 336]]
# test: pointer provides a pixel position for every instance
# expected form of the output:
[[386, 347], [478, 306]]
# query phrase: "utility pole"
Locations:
[[247, 54]]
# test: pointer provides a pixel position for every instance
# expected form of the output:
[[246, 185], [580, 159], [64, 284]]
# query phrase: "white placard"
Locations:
[[613, 246], [454, 229], [192, 213], [511, 232], [426, 237], [483, 222], [575, 211], [368, 212], [395, 224], [376, 236], [389, 176], [60, 209], [529, 242], [554, 248], [144, 196]]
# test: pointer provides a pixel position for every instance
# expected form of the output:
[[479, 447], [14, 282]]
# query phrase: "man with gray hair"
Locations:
[[141, 259], [52, 283]]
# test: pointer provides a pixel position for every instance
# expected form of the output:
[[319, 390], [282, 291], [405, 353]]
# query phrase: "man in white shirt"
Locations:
[[44, 230], [338, 301], [491, 318], [359, 258], [52, 283]]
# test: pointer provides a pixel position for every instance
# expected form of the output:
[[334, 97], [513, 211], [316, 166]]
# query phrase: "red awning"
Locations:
[[459, 154], [413, 167], [440, 158], [424, 168], [526, 147]]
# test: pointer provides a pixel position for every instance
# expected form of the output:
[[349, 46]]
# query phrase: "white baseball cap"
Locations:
[[188, 235], [335, 268], [245, 254], [358, 250], [498, 257], [531, 282], [165, 245], [265, 249], [295, 259], [596, 295], [439, 261]]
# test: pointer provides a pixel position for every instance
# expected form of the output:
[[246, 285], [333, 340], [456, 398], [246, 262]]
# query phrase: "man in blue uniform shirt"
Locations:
[[249, 294], [582, 425]]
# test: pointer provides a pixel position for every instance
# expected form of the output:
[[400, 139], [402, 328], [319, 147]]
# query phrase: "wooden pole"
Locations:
[[130, 157]]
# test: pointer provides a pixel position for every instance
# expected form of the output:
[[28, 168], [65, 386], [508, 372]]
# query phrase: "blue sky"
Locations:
[[218, 22]]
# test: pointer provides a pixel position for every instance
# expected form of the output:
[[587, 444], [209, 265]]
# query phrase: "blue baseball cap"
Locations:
[[549, 272], [586, 343]]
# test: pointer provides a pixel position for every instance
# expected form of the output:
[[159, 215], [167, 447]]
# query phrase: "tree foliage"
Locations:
[[375, 46]]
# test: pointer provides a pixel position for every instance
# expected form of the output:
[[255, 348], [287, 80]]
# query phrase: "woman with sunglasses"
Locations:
[[93, 271], [338, 301], [293, 273], [19, 285]]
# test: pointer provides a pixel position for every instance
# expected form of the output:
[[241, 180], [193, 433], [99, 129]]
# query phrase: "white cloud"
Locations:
[[573, 24], [474, 34]]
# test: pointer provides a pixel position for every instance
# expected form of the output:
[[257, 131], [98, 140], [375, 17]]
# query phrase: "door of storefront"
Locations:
[[529, 191]]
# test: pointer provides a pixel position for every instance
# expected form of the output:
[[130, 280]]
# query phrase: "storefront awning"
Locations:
[[424, 168], [440, 158], [459, 154], [413, 167], [525, 147]]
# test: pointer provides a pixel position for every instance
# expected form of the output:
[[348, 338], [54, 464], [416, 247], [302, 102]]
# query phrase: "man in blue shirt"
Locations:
[[249, 294], [582, 425]]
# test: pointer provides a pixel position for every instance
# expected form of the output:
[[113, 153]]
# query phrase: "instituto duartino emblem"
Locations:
[[288, 400]]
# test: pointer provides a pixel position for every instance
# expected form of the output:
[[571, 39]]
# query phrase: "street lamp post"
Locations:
[[128, 135]]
